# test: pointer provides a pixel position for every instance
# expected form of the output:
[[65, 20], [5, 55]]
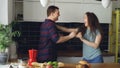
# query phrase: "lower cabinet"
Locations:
[[107, 59]]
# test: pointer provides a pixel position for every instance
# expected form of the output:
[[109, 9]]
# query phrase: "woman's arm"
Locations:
[[94, 44], [67, 29]]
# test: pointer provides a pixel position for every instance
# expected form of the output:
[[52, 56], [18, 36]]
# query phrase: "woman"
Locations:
[[91, 36]]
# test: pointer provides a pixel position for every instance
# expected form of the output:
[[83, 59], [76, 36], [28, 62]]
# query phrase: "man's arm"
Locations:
[[64, 29], [66, 38]]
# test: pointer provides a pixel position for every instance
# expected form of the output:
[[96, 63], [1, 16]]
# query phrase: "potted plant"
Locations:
[[6, 35]]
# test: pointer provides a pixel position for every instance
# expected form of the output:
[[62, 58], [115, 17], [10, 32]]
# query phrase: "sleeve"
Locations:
[[97, 32], [53, 34]]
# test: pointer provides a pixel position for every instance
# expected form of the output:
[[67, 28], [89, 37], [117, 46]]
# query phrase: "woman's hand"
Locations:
[[94, 44], [79, 35]]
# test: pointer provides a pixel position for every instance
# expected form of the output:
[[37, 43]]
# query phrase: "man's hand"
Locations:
[[66, 38], [72, 34]]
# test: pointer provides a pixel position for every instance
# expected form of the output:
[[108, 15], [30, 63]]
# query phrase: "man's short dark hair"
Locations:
[[51, 9]]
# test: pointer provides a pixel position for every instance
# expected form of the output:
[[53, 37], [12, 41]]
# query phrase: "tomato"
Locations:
[[49, 66]]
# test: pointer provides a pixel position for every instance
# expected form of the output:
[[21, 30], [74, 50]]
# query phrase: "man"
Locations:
[[49, 36]]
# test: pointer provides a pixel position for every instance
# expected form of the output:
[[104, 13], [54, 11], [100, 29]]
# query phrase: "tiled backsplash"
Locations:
[[30, 31]]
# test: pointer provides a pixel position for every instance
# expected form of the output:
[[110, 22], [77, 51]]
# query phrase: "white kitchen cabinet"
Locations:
[[70, 11], [18, 10], [107, 59], [69, 59], [33, 11]]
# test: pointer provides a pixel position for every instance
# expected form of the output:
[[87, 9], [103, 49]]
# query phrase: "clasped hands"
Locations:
[[76, 34]]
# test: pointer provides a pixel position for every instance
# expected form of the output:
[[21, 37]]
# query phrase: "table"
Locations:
[[105, 65]]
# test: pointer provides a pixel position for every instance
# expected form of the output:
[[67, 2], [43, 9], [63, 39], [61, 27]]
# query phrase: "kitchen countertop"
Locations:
[[73, 65], [97, 65], [105, 65], [93, 65]]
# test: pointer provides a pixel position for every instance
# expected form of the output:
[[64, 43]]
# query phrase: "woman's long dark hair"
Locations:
[[93, 22]]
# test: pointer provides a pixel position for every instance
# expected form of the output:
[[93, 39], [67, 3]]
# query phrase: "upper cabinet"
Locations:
[[70, 10], [18, 10], [76, 1]]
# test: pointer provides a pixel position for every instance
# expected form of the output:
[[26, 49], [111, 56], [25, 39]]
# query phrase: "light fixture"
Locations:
[[106, 3], [44, 2]]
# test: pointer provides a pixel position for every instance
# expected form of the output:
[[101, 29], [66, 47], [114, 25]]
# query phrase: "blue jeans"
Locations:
[[98, 59]]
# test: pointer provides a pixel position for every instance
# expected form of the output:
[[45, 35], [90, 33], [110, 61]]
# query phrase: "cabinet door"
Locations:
[[18, 10], [33, 11], [72, 11]]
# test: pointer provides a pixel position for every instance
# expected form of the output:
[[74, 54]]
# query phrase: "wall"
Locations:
[[10, 11], [6, 11], [3, 11], [70, 10], [116, 4]]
